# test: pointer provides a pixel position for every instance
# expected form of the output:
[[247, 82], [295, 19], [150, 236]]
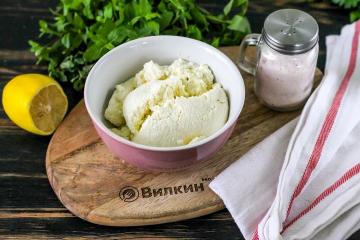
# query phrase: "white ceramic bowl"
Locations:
[[124, 61]]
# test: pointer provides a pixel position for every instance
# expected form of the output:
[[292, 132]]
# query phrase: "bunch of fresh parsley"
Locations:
[[353, 5], [84, 30]]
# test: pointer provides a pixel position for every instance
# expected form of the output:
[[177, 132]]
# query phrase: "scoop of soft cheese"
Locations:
[[171, 105], [141, 103], [180, 120]]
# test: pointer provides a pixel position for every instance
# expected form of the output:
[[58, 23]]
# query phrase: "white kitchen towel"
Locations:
[[303, 181]]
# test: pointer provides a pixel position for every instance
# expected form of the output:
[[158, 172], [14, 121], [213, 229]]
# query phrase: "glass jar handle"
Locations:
[[245, 64]]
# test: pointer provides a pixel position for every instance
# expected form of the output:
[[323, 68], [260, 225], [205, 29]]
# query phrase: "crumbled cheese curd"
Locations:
[[168, 106]]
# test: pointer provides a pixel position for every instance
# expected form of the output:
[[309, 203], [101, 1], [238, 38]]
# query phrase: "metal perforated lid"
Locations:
[[290, 31]]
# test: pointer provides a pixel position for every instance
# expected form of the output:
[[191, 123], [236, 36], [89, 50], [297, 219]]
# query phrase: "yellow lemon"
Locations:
[[35, 103]]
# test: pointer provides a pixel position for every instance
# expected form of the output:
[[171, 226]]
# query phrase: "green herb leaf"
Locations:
[[354, 15], [240, 24], [232, 4], [194, 32], [118, 35], [165, 19], [108, 11], [68, 64], [154, 27], [94, 52], [199, 17], [65, 40], [78, 21], [215, 42]]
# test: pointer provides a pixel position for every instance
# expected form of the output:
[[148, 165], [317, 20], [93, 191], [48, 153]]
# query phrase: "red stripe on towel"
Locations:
[[256, 235], [347, 176], [329, 120]]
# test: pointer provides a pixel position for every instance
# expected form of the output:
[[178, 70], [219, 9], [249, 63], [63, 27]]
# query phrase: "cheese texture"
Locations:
[[167, 106]]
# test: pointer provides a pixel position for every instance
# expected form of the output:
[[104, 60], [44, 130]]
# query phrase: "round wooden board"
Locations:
[[102, 189]]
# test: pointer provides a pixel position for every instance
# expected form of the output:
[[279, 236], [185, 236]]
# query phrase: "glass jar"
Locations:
[[287, 52]]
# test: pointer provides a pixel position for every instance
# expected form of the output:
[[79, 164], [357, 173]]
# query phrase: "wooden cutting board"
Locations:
[[100, 188]]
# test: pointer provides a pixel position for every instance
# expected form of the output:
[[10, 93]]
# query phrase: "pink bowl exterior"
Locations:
[[164, 160]]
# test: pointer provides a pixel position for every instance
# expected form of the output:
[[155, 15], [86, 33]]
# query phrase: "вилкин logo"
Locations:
[[128, 194]]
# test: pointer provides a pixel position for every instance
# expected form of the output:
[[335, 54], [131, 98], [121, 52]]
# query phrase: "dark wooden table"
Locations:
[[28, 207]]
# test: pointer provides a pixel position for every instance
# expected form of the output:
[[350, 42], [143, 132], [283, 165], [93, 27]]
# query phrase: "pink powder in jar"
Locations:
[[287, 51], [284, 82]]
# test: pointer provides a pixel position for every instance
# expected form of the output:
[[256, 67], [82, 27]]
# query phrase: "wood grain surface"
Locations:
[[29, 209], [100, 188]]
